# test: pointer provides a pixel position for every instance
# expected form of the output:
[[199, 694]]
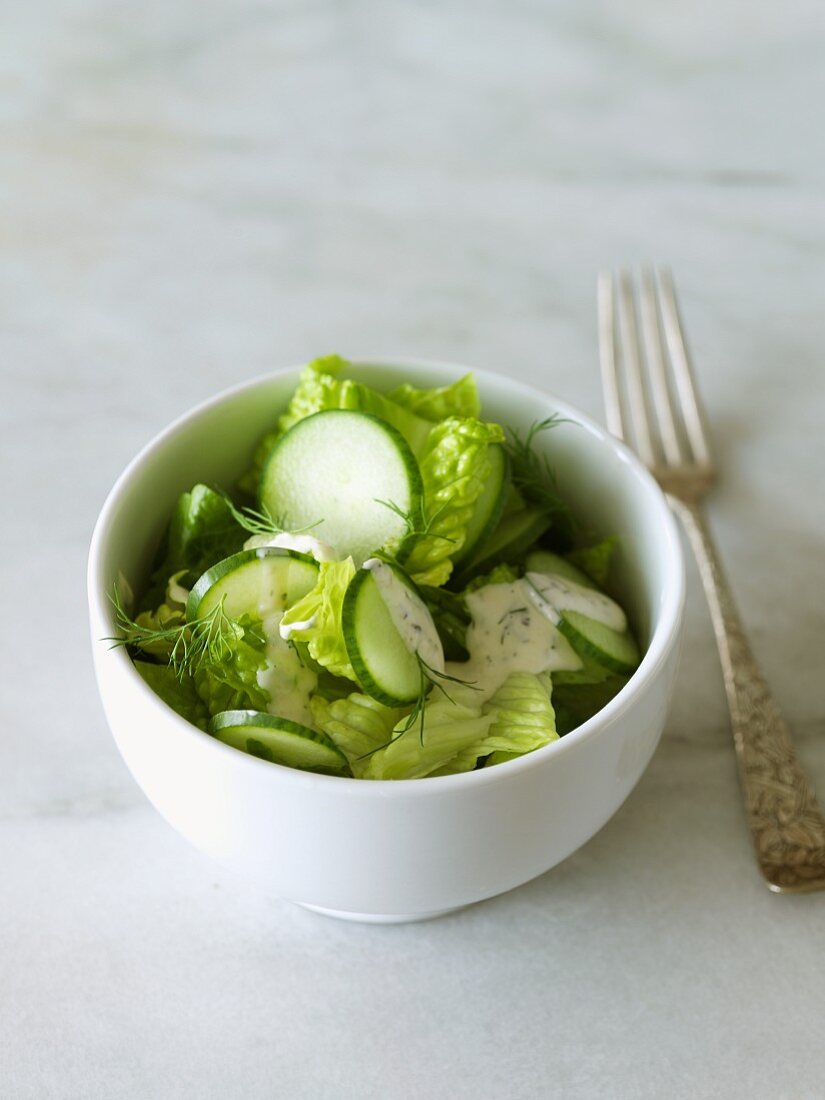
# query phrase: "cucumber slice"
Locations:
[[606, 646], [386, 667], [543, 561], [338, 471], [514, 534], [253, 582], [490, 504], [278, 740]]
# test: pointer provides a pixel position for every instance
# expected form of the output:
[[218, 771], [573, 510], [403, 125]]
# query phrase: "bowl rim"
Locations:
[[664, 637]]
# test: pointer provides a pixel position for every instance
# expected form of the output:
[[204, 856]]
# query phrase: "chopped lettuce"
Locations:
[[595, 560], [523, 719], [449, 729], [358, 725], [320, 388], [499, 574], [178, 692], [231, 683], [201, 532], [319, 616], [454, 467], [459, 399]]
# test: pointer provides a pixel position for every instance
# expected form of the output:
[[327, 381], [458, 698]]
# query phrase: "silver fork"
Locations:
[[657, 410]]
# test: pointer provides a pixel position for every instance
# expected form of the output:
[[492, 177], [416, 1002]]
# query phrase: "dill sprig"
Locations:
[[192, 645], [531, 472], [262, 522], [416, 521], [429, 678]]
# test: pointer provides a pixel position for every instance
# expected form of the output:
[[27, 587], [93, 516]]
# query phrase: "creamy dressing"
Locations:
[[514, 628], [553, 594], [410, 616], [285, 677], [301, 544], [288, 629]]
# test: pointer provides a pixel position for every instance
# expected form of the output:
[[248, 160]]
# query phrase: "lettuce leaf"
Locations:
[[459, 399], [178, 692], [449, 729], [231, 683], [523, 719], [499, 574], [320, 388], [454, 466], [321, 607], [201, 532], [595, 560], [358, 725]]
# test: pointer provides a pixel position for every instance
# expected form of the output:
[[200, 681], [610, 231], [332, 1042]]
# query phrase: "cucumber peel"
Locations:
[[279, 740]]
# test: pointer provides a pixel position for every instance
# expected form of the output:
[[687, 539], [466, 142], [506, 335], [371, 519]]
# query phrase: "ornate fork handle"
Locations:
[[787, 824]]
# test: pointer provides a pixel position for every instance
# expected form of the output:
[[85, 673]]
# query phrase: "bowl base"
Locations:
[[379, 918]]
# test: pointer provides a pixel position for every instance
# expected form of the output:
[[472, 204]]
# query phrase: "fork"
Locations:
[[652, 403]]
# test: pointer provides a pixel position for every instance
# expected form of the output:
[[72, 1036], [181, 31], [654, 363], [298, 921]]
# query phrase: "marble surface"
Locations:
[[196, 192]]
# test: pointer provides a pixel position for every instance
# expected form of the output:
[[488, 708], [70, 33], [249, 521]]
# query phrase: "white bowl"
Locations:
[[406, 849]]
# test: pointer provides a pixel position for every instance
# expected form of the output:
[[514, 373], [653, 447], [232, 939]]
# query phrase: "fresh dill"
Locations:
[[416, 521], [191, 645], [262, 522], [531, 472], [429, 678]]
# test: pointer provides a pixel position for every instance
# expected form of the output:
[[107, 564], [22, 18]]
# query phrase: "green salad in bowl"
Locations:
[[395, 589]]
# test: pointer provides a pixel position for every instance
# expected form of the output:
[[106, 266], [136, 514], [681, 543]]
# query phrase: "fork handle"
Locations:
[[787, 824]]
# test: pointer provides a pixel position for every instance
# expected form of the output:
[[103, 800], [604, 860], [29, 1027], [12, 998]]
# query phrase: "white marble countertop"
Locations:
[[196, 192]]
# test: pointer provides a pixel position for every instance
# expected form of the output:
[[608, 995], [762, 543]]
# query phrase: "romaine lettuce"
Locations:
[[201, 532], [595, 560], [449, 729], [454, 466], [231, 683], [459, 399], [358, 725], [176, 691], [319, 612]]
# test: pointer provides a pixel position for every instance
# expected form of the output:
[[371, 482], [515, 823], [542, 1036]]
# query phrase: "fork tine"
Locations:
[[653, 343], [632, 362], [607, 356], [682, 371]]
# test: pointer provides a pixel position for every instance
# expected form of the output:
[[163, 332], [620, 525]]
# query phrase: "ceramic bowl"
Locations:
[[405, 849]]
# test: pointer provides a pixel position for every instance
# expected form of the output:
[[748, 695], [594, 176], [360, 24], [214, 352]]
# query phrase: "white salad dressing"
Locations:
[[288, 629], [410, 616], [285, 677], [553, 594], [514, 629], [301, 544]]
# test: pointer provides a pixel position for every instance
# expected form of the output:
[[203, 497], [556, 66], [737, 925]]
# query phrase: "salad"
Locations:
[[395, 589]]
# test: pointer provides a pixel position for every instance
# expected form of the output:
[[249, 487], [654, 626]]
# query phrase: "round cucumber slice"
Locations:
[[544, 561], [490, 504], [386, 667], [279, 740], [338, 471], [592, 639], [253, 582]]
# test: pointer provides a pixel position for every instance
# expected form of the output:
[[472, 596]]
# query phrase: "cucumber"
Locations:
[[279, 740], [514, 534], [544, 561], [253, 582], [592, 639], [490, 504], [338, 471], [386, 667]]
